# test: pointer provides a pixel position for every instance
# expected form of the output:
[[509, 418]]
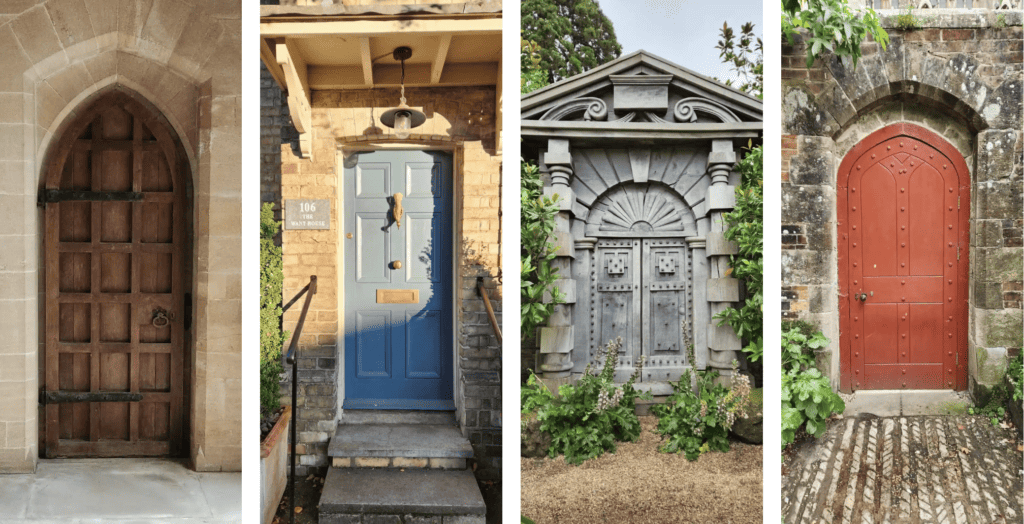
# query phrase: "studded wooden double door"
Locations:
[[116, 275], [903, 199], [641, 290]]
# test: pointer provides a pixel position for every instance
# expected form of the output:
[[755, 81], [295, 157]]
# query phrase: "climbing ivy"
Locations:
[[746, 228], [271, 335], [832, 26], [537, 276]]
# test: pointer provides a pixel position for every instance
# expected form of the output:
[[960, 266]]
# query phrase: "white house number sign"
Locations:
[[307, 214]]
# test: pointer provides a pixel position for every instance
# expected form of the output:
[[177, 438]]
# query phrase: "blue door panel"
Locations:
[[398, 355], [373, 334], [373, 255], [423, 325]]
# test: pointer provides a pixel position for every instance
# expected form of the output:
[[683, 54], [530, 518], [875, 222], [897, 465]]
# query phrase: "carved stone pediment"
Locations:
[[641, 88]]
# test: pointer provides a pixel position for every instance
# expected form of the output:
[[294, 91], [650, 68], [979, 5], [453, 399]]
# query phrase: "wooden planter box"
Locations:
[[274, 467]]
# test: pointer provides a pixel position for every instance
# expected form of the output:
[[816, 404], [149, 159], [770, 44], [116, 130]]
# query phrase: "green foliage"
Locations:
[[572, 36], [1000, 21], [807, 396], [746, 54], [746, 228], [271, 336], [698, 419], [907, 21], [1014, 375], [524, 520], [537, 222], [531, 76], [587, 418], [832, 26]]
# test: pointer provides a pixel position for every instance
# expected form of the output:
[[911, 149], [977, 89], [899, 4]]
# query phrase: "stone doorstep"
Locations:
[[398, 462], [452, 495], [400, 445], [397, 416]]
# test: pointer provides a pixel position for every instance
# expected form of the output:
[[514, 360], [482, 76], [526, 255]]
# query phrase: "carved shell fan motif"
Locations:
[[643, 208]]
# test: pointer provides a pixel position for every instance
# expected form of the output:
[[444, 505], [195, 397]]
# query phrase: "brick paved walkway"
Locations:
[[923, 469]]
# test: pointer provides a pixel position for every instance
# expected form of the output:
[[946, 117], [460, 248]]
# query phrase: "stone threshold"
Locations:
[[363, 496]]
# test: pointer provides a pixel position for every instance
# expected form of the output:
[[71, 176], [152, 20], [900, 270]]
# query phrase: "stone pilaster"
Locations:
[[556, 340], [722, 290]]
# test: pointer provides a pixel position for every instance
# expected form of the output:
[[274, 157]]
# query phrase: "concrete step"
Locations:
[[397, 416], [399, 446], [354, 496]]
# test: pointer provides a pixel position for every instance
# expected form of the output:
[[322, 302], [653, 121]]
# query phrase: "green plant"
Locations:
[[524, 520], [1000, 21], [832, 26], [807, 396], [698, 415], [907, 21], [1014, 374], [271, 336], [746, 228], [587, 418], [537, 276], [572, 36], [531, 76], [746, 55]]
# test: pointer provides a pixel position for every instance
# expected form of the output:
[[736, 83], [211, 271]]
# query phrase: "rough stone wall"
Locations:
[[273, 116], [184, 58], [958, 76], [463, 118]]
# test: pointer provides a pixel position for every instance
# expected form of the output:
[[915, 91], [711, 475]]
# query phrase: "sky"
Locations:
[[681, 31]]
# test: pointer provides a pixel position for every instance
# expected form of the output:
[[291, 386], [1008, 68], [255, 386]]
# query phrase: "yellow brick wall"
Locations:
[[460, 120]]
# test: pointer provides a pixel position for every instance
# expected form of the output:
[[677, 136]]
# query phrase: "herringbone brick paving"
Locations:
[[927, 469]]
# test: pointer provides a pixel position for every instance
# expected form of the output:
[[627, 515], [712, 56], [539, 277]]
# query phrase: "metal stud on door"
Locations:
[[901, 225], [398, 281]]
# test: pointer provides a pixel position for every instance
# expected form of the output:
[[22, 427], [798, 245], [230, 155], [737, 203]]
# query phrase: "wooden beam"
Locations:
[[269, 60], [364, 48], [297, 79], [437, 26], [416, 75], [439, 58]]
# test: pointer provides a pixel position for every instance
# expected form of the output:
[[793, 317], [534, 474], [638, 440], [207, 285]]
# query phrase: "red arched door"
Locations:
[[117, 271], [903, 198]]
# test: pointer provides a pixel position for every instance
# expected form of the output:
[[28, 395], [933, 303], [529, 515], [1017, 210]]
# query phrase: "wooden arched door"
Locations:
[[903, 199], [116, 199]]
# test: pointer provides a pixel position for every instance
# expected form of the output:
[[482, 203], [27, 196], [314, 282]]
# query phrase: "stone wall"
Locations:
[[461, 120], [958, 76], [184, 59]]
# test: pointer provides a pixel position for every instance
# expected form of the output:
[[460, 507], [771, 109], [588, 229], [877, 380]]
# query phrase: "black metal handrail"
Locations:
[[290, 359]]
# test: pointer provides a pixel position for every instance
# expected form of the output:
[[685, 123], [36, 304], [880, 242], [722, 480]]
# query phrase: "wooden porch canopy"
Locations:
[[313, 47]]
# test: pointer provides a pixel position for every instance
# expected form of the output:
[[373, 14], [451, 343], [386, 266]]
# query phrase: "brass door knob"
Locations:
[[397, 264]]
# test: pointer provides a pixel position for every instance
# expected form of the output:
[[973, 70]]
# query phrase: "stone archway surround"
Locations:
[[978, 113], [183, 60]]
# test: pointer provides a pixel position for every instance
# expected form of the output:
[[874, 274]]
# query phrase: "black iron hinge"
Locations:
[[65, 397], [47, 196]]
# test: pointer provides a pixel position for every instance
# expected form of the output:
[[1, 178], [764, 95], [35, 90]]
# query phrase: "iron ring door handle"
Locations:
[[161, 318], [396, 211]]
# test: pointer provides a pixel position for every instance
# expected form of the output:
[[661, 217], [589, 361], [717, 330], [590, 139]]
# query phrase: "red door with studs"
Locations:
[[903, 199]]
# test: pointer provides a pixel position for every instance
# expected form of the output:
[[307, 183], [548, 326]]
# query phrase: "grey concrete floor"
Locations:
[[120, 491]]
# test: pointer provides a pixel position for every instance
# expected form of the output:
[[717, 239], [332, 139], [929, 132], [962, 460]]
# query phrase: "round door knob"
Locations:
[[397, 264]]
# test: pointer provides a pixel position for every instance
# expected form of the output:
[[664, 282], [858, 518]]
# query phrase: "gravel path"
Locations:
[[639, 485], [926, 469]]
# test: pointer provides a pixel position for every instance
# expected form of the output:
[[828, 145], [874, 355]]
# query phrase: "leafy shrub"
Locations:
[[1013, 373], [588, 417], [271, 336], [907, 21], [699, 421], [807, 396], [746, 228], [832, 26], [537, 223]]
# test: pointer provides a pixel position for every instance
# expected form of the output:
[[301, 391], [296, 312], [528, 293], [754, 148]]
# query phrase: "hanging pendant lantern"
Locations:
[[402, 118]]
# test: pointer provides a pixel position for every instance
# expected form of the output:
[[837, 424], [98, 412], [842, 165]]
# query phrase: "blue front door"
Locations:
[[398, 281]]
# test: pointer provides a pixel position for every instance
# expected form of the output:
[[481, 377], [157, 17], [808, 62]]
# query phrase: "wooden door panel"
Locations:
[[903, 196], [115, 254]]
